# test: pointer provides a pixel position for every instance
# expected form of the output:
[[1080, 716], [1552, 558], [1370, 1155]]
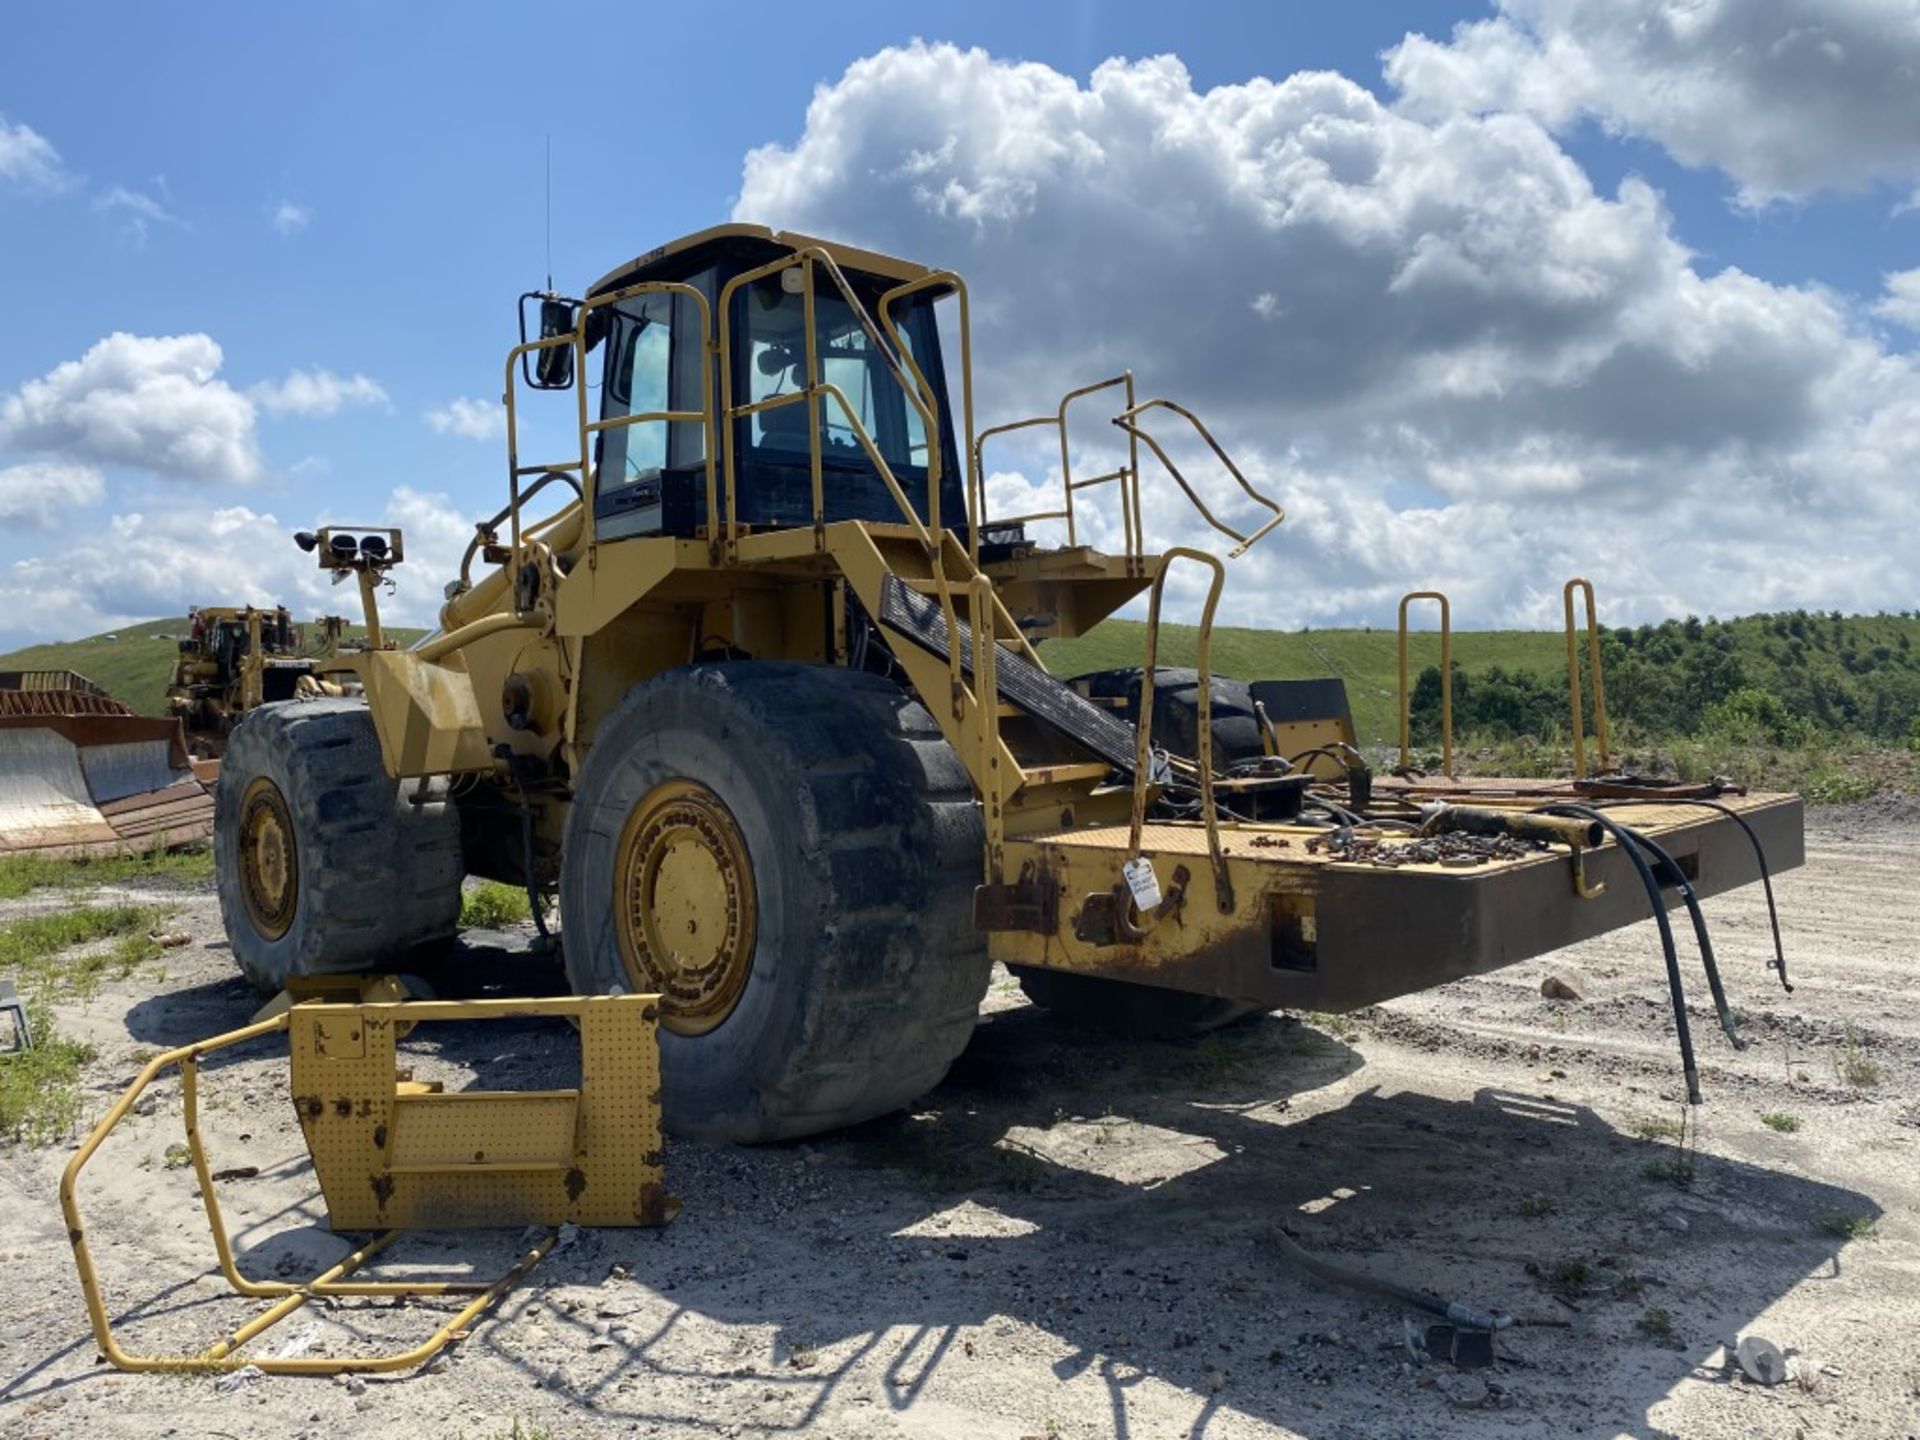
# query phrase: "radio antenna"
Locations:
[[549, 214]]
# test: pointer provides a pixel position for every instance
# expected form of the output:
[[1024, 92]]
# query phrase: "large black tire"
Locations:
[[1176, 710], [863, 838], [1120, 1007], [377, 869]]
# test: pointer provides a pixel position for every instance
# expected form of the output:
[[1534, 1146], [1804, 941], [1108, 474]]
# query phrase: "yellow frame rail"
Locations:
[[331, 1283], [1446, 681]]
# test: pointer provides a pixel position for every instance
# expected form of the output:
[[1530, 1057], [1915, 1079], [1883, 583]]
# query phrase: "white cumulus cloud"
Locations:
[[1455, 360], [146, 564], [154, 403], [38, 494], [1901, 302], [469, 418], [316, 392], [28, 159], [1788, 97]]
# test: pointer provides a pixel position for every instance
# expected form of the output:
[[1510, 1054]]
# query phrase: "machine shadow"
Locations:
[[1179, 1260]]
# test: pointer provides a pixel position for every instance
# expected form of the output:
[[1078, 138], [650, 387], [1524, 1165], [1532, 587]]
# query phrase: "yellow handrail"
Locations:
[[1132, 530], [986, 693], [1573, 681], [577, 338], [1446, 681], [1127, 419], [1143, 735], [950, 280]]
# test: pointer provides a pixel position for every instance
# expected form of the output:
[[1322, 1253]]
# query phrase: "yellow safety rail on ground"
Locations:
[[392, 1154], [1446, 681], [1573, 682]]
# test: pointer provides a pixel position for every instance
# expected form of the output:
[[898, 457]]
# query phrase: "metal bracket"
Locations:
[[1580, 886], [1030, 904]]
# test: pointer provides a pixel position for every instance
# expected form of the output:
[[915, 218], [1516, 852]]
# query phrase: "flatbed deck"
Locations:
[[1341, 932]]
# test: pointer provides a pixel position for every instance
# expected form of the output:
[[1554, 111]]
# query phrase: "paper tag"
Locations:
[[1142, 882]]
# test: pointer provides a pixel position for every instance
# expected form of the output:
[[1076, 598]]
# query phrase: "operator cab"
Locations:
[[646, 352]]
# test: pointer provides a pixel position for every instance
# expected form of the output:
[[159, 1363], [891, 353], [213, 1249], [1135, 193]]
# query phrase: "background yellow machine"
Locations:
[[748, 678], [234, 659]]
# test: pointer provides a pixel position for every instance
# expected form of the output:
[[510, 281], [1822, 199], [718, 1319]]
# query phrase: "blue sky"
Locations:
[[357, 190]]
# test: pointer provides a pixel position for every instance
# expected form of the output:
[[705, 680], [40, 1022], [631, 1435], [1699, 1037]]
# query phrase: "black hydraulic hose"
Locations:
[[1667, 870], [1675, 987], [1670, 873], [1339, 812], [1779, 961]]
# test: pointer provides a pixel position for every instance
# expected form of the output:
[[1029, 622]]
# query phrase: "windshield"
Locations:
[[777, 365]]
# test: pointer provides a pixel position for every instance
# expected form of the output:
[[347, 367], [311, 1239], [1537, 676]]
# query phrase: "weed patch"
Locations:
[[23, 874], [1842, 1226], [1656, 1325], [36, 946], [1852, 1064], [39, 1088]]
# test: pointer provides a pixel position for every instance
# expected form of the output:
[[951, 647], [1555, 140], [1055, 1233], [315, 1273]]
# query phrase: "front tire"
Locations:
[[323, 863], [787, 853]]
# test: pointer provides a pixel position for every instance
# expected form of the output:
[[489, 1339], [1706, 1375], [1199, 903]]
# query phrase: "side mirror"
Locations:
[[550, 368]]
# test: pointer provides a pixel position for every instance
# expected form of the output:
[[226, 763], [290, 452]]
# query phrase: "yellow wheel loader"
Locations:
[[234, 659], [747, 678]]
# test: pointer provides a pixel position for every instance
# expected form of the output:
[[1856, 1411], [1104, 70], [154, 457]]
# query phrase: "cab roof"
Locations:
[[675, 259]]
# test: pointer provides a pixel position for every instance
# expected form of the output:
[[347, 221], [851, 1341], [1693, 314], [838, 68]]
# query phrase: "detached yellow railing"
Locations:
[[391, 1152]]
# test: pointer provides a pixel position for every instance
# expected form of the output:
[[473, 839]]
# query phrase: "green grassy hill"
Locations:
[[134, 662], [1368, 660]]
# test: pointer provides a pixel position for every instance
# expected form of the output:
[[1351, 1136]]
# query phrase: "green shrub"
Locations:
[[493, 906]]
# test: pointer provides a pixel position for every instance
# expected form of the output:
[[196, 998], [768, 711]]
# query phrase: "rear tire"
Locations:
[[861, 840], [1176, 710], [1121, 1007], [323, 863]]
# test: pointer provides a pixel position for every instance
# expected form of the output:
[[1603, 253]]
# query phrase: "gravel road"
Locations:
[[1074, 1236]]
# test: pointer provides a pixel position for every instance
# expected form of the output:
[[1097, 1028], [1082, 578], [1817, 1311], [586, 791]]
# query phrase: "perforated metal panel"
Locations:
[[391, 1158]]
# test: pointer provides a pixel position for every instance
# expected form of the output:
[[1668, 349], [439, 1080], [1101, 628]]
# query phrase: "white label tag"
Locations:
[[1142, 882]]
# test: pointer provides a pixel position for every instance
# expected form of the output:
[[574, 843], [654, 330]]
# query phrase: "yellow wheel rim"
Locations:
[[684, 905], [269, 863]]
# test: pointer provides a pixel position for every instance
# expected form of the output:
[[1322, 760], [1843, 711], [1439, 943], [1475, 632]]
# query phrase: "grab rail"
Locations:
[[1143, 742], [1446, 681], [1128, 477], [1573, 681], [1126, 421], [577, 339], [949, 280]]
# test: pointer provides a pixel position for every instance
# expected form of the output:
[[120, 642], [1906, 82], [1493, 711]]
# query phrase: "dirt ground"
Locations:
[[1074, 1237]]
